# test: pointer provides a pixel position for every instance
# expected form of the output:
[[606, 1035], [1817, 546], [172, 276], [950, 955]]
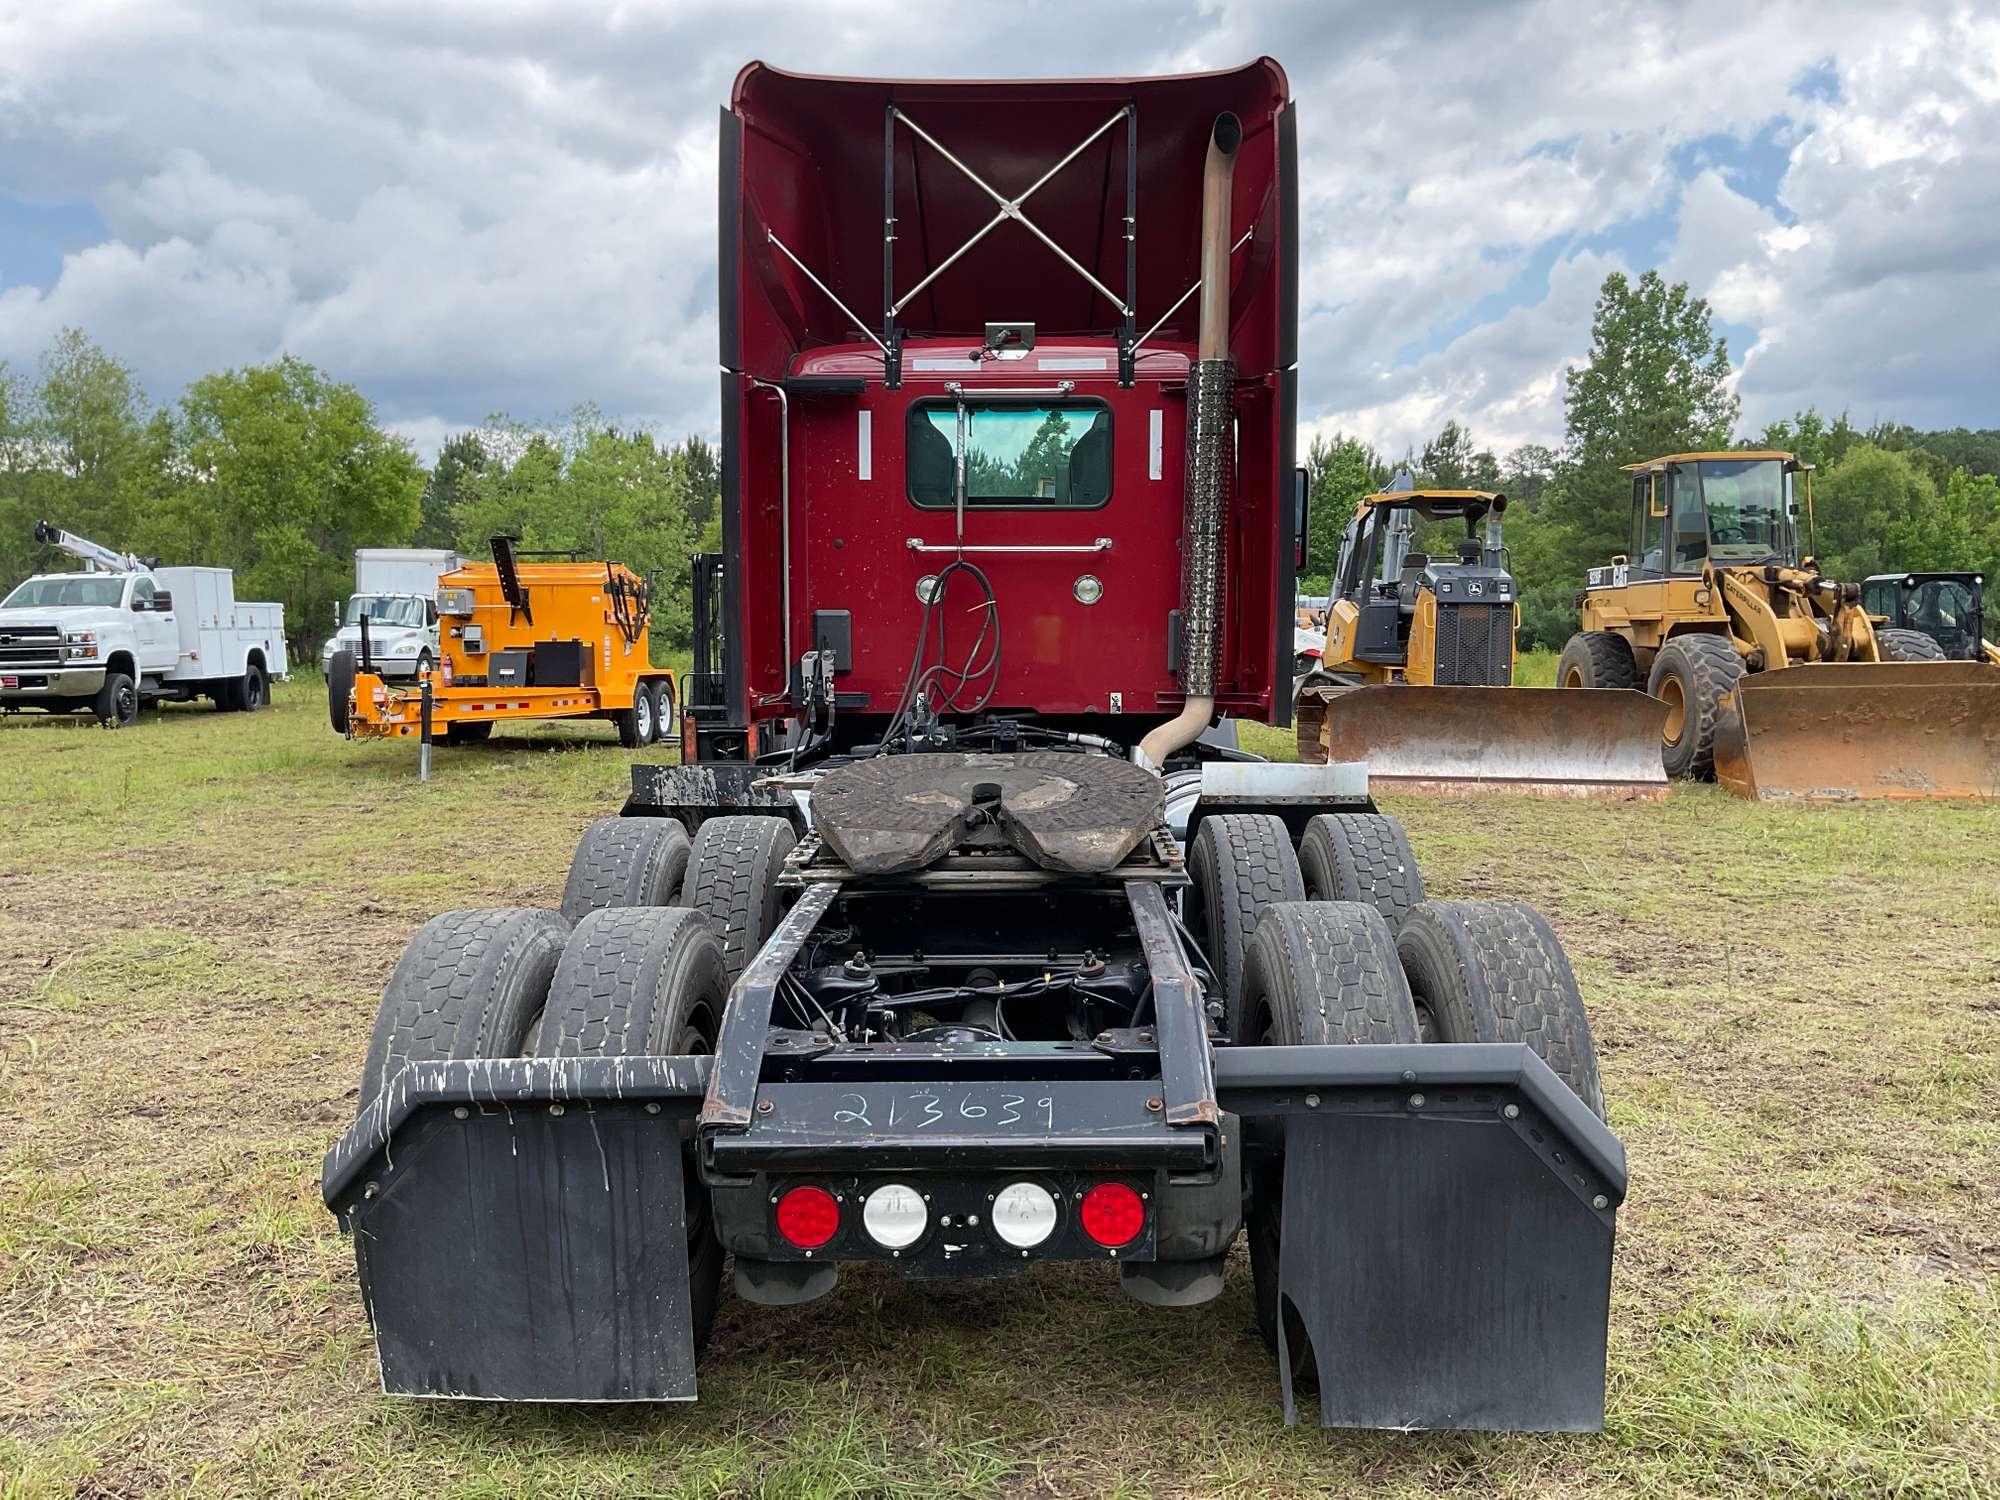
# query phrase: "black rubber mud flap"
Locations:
[[1448, 1272], [529, 1253]]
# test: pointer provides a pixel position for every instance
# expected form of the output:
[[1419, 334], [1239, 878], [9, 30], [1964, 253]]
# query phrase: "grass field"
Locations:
[[1797, 1010]]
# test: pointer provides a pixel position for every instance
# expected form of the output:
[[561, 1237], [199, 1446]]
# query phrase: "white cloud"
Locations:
[[470, 206]]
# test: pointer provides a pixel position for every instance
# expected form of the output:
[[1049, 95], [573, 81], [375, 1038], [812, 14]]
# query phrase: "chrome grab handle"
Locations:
[[918, 544], [960, 389]]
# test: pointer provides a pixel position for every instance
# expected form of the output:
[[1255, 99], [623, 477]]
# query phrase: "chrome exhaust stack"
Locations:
[[1211, 389]]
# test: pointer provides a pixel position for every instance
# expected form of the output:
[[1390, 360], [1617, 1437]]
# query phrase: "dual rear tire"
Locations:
[[1358, 956], [520, 982]]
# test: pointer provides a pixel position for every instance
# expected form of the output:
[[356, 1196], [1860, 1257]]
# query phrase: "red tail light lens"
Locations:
[[808, 1217], [1112, 1214]]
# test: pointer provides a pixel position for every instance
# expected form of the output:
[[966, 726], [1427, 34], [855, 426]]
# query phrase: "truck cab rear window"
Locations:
[[1017, 454]]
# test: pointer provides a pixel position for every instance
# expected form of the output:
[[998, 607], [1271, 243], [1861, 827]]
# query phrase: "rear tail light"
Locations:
[[1112, 1214], [808, 1217], [1024, 1214], [895, 1216]]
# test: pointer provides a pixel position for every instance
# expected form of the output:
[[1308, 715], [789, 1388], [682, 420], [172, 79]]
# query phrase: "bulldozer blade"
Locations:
[[1842, 731], [1450, 741]]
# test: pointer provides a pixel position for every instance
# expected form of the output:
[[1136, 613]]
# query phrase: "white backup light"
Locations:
[[895, 1216], [1024, 1214]]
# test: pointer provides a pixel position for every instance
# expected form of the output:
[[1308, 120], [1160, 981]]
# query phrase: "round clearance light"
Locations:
[[808, 1217], [927, 589], [1024, 1214], [1112, 1214], [1088, 589], [894, 1216]]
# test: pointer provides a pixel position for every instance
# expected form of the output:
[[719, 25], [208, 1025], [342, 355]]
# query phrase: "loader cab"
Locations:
[[1729, 509]]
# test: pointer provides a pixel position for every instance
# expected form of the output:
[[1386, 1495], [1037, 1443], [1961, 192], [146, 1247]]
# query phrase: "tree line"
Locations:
[[1887, 498], [280, 472]]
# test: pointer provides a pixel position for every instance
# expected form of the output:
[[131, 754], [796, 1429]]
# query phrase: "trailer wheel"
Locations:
[[1361, 857], [1321, 973], [117, 702], [1597, 659], [1494, 971], [468, 734], [1691, 673], [1240, 863], [339, 689], [1907, 645], [626, 862], [732, 875], [470, 984], [637, 725], [648, 982]]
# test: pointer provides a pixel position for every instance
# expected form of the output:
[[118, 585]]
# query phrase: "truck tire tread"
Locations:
[[469, 984], [626, 862], [1494, 971], [1241, 863], [1361, 857], [732, 875]]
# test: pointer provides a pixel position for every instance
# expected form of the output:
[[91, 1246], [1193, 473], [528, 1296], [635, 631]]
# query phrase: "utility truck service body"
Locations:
[[127, 633], [956, 943]]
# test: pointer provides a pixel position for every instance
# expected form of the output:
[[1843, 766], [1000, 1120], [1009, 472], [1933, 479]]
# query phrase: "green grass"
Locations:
[[1797, 1010]]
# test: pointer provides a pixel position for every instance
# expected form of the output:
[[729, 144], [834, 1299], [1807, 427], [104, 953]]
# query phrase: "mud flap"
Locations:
[[1446, 1240], [512, 1247], [1454, 741], [1442, 1283], [1843, 731]]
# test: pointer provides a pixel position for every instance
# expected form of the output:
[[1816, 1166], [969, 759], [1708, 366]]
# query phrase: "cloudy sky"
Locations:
[[468, 206]]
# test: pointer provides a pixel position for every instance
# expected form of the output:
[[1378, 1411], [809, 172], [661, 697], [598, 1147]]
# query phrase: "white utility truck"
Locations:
[[395, 591], [126, 632]]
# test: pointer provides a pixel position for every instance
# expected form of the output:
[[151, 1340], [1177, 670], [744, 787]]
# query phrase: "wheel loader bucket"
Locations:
[[1840, 731], [1450, 741]]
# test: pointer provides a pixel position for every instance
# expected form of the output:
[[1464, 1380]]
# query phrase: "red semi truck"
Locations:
[[961, 940]]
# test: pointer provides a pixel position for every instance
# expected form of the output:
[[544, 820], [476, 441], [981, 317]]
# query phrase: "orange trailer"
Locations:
[[520, 640]]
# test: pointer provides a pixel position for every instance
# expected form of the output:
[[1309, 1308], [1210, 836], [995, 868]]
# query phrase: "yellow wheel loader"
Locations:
[[1419, 660], [1776, 679]]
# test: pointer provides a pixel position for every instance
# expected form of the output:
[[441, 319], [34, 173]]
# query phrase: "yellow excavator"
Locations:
[[1777, 680], [1418, 666]]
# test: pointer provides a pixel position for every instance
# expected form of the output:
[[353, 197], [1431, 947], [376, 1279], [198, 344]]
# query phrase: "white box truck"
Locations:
[[395, 591], [127, 632]]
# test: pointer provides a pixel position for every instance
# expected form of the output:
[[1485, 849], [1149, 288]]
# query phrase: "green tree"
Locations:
[[16, 525], [701, 469], [75, 438], [586, 487], [1451, 462], [1340, 470], [1809, 435], [286, 472], [1656, 382], [461, 455], [1877, 511], [1525, 476]]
